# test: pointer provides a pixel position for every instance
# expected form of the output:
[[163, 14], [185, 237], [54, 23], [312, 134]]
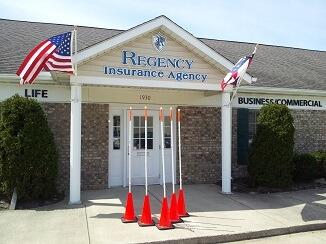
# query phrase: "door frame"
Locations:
[[124, 137]]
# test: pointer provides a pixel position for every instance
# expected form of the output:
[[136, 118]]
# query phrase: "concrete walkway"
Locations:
[[311, 237], [214, 217]]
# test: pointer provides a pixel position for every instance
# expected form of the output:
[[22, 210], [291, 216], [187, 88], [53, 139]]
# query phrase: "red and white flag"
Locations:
[[53, 54], [237, 72]]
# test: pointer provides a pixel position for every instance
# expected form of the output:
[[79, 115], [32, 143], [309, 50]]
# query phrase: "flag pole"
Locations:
[[75, 49]]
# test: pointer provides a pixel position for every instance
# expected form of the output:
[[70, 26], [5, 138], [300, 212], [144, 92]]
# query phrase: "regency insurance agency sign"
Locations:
[[155, 66]]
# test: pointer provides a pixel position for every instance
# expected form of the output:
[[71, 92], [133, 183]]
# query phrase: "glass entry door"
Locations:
[[138, 147]]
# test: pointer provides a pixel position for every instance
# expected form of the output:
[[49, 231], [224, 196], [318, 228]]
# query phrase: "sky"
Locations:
[[295, 23]]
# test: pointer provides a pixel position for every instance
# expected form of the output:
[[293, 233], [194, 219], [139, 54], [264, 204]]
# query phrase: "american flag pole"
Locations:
[[238, 84], [74, 41]]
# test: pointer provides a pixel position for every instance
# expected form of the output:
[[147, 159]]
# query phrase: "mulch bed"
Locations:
[[243, 186], [30, 204], [4, 202]]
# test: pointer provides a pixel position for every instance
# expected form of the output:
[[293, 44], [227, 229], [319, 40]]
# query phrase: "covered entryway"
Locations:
[[118, 153], [137, 64]]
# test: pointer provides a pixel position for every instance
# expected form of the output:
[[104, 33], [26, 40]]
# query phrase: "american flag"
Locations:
[[53, 54], [238, 71]]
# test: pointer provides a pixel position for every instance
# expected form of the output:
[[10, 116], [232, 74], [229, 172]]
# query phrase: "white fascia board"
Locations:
[[202, 47], [281, 91], [111, 81], [43, 76], [117, 40], [147, 27]]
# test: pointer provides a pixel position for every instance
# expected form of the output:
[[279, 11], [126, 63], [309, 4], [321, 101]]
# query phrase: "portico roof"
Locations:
[[162, 22]]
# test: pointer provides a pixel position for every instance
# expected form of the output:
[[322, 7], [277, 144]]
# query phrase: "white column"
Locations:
[[226, 142], [75, 144]]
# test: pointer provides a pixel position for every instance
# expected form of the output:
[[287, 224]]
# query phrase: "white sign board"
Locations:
[[293, 102]]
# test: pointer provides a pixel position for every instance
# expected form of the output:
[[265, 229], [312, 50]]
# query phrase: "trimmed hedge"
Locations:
[[320, 157], [306, 167], [270, 156], [309, 166], [28, 157]]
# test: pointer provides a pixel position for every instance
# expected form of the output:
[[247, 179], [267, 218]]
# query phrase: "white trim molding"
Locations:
[[44, 76], [111, 81], [281, 91]]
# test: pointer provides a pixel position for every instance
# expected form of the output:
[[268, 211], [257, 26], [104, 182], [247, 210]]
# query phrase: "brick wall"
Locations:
[[201, 144], [200, 135], [310, 135], [58, 115], [201, 141], [94, 158], [310, 130]]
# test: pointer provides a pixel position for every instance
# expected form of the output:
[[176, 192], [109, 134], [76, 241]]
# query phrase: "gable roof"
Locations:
[[167, 25], [274, 66]]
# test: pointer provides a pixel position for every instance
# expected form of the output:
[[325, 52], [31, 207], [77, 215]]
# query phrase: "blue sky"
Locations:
[[296, 23]]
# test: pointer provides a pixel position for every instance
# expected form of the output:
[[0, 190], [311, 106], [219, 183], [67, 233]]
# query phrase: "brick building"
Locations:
[[118, 69]]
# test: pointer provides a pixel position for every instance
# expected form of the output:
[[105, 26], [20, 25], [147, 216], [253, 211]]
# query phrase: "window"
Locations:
[[167, 132], [139, 132], [116, 132], [252, 124], [246, 130]]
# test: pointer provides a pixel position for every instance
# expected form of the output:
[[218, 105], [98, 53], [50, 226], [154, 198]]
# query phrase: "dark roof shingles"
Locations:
[[274, 66], [17, 38]]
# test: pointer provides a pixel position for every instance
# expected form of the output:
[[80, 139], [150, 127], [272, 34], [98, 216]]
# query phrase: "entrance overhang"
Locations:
[[185, 39], [181, 35]]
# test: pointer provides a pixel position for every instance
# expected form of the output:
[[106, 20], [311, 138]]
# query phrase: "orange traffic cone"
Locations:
[[146, 215], [165, 221], [174, 215], [182, 204], [129, 216]]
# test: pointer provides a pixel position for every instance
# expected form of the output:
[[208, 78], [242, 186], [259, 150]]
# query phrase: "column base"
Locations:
[[75, 203]]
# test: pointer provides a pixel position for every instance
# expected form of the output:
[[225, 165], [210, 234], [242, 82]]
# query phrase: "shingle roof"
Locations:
[[274, 66]]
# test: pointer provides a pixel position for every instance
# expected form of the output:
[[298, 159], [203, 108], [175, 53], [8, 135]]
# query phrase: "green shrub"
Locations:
[[28, 158], [270, 156], [306, 167], [320, 157]]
